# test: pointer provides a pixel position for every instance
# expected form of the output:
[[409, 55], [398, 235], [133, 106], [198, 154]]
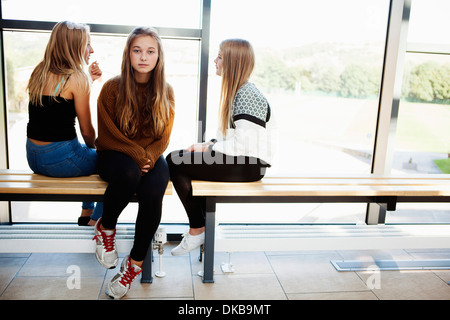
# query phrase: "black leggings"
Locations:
[[209, 166], [124, 180]]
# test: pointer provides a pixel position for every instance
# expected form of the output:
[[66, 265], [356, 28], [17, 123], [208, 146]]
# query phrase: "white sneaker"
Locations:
[[105, 251], [121, 282], [188, 243]]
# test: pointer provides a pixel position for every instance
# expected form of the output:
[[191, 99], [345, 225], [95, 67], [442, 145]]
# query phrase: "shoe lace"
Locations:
[[183, 242], [108, 241], [129, 275]]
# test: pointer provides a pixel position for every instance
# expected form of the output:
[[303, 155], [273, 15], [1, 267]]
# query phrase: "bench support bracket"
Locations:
[[208, 263]]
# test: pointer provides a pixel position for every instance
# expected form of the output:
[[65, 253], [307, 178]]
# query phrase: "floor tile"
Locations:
[[52, 288], [363, 295], [239, 287], [242, 262], [9, 267], [176, 284], [48, 264], [409, 285], [444, 275], [311, 273]]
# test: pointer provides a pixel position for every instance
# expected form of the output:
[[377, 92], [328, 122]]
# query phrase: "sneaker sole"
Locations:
[[105, 265], [111, 295], [185, 251]]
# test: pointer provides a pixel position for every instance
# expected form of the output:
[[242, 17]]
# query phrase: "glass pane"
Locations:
[[319, 63], [422, 143], [169, 13], [23, 50], [429, 22]]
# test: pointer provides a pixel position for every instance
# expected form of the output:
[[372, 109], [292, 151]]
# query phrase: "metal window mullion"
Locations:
[[390, 93], [5, 207], [428, 48], [204, 64], [28, 25]]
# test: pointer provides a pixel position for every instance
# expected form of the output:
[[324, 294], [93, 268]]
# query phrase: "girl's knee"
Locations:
[[127, 176]]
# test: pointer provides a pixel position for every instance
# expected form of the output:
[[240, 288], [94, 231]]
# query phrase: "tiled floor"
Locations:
[[257, 275]]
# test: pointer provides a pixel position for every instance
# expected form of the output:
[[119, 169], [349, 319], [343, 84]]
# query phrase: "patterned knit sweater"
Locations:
[[141, 148], [251, 132]]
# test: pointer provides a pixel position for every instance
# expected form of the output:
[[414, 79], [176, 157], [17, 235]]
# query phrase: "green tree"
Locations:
[[441, 84], [429, 82], [358, 81], [272, 73], [420, 86]]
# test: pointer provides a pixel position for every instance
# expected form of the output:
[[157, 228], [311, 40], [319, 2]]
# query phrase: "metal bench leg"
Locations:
[[375, 214], [146, 274], [208, 263]]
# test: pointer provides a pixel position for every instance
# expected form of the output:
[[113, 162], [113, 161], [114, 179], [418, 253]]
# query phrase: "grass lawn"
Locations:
[[443, 164], [423, 127]]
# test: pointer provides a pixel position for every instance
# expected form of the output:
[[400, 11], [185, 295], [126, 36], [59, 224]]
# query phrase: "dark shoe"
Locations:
[[83, 221]]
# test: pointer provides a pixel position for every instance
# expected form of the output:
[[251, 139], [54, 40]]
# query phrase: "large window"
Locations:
[[24, 49], [422, 140], [319, 63]]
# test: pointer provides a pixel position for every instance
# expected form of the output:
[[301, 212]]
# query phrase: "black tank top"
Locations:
[[54, 121]]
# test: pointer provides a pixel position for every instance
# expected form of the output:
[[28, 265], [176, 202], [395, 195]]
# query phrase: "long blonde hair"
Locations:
[[64, 56], [153, 116], [238, 61]]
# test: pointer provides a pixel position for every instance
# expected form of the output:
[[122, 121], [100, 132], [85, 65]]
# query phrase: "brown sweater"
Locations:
[[141, 148]]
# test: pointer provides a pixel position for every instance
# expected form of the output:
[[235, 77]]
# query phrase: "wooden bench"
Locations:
[[22, 185], [386, 191]]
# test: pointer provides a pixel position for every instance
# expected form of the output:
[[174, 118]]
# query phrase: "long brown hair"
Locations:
[[238, 61], [152, 117], [64, 56]]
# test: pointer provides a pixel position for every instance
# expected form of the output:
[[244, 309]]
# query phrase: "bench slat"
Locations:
[[352, 181], [39, 178], [50, 188], [28, 183], [201, 188], [363, 176]]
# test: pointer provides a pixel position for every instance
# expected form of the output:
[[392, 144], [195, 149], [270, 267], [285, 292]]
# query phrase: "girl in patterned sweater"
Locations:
[[241, 151]]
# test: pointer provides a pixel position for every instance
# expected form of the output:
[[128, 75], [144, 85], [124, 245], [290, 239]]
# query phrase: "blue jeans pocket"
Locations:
[[62, 159], [62, 169]]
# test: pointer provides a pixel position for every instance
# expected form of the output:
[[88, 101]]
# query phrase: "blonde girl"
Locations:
[[59, 90], [240, 152]]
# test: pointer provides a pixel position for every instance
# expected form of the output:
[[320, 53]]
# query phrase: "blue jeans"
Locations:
[[65, 159]]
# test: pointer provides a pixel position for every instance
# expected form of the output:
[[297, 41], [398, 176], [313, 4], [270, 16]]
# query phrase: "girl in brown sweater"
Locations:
[[135, 119]]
